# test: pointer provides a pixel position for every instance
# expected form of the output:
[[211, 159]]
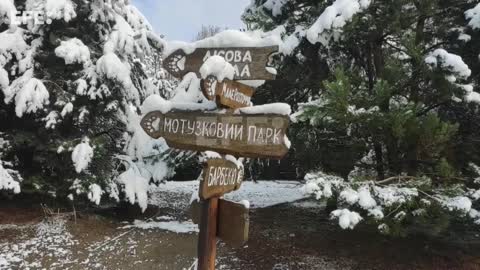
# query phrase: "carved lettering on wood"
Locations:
[[220, 176], [230, 94], [249, 63], [256, 136]]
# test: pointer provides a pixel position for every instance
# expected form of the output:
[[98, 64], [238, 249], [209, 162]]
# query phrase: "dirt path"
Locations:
[[285, 237]]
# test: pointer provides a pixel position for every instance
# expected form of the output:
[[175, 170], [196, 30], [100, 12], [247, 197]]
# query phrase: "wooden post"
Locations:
[[207, 238]]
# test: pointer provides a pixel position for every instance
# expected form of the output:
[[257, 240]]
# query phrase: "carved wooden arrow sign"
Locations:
[[249, 62], [220, 176], [257, 136], [231, 94]]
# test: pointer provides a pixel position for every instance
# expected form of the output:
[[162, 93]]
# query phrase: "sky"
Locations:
[[182, 19]]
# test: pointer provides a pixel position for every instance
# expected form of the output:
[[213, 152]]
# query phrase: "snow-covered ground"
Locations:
[[49, 238], [52, 239], [260, 195]]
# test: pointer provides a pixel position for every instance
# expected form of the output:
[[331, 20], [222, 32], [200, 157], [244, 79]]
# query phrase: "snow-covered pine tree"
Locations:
[[387, 78], [71, 89]]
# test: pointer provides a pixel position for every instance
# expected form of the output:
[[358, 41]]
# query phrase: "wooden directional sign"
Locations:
[[231, 94], [262, 135], [220, 176], [249, 62], [233, 221]]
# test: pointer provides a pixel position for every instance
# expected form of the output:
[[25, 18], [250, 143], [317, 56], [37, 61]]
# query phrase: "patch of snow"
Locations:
[[471, 96], [275, 6], [13, 42], [110, 66], [95, 193], [245, 203], [475, 215], [218, 67], [82, 87], [350, 196], [68, 108], [60, 9], [272, 108], [210, 155], [376, 212], [453, 62], [346, 219], [157, 103], [262, 194], [73, 51], [135, 186], [121, 39], [4, 81], [464, 37], [172, 226], [7, 182], [227, 38], [400, 215], [51, 120], [7, 8], [460, 203], [365, 199], [267, 193], [82, 155], [473, 15], [335, 16], [50, 239], [308, 204], [30, 94], [394, 195]]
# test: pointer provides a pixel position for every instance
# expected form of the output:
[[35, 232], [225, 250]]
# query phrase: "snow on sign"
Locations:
[[245, 135], [250, 63], [220, 176], [231, 94]]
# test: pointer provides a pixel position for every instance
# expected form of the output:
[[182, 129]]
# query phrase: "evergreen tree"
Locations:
[[386, 81], [73, 84]]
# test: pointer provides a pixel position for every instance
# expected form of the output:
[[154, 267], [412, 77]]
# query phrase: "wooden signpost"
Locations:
[[249, 63], [239, 135], [220, 176], [232, 224], [231, 94]]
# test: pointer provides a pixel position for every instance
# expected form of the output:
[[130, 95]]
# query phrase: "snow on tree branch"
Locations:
[[7, 182], [275, 6], [82, 155], [454, 63], [473, 15], [7, 8], [95, 193], [60, 10], [385, 203], [73, 51], [30, 94], [333, 18]]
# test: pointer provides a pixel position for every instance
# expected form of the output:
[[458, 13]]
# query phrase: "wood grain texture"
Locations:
[[249, 62], [233, 221], [256, 136], [207, 238], [230, 94], [220, 176]]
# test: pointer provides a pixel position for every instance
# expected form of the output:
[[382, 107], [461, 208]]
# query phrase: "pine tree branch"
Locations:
[[393, 178]]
